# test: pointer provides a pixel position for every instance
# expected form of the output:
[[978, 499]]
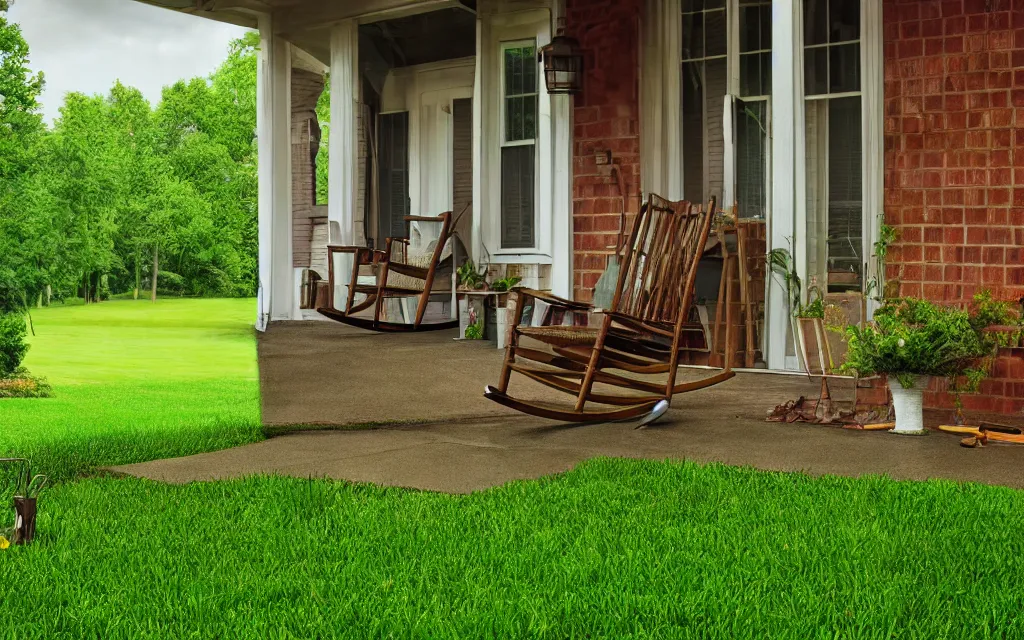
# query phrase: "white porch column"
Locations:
[[562, 254], [661, 143], [788, 203], [273, 122], [343, 144]]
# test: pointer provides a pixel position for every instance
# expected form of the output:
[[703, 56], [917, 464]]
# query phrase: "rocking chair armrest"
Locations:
[[554, 300], [360, 252]]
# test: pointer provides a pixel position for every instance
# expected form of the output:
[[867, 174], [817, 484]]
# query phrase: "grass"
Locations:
[[136, 381], [612, 549]]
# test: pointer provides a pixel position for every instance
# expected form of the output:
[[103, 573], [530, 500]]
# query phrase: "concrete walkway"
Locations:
[[328, 374]]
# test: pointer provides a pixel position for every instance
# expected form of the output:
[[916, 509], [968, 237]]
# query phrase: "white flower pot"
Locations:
[[909, 406]]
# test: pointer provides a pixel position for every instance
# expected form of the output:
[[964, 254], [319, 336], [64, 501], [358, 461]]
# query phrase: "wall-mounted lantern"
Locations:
[[563, 63]]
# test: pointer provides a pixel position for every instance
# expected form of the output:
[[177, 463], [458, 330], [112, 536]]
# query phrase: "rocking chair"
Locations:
[[643, 331], [407, 270]]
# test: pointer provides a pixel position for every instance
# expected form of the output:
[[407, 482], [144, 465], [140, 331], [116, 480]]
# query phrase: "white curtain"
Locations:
[[660, 101]]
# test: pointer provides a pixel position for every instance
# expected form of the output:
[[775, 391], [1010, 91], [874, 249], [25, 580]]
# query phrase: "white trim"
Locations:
[[873, 116], [787, 93], [494, 30], [265, 169], [282, 286]]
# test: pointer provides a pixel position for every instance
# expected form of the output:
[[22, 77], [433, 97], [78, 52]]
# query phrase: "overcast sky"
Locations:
[[86, 45]]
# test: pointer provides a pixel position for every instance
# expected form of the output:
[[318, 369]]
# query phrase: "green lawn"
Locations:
[[613, 549], [136, 381]]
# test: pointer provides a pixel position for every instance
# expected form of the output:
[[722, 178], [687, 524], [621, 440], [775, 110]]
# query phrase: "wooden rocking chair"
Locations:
[[407, 269], [642, 333]]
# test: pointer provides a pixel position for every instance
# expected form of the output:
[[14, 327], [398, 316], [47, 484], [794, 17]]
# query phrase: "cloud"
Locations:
[[87, 45]]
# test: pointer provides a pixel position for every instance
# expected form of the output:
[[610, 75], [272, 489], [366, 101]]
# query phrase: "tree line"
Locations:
[[119, 196]]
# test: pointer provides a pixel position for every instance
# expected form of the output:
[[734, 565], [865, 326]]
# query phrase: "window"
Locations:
[[519, 142], [832, 88], [718, 61]]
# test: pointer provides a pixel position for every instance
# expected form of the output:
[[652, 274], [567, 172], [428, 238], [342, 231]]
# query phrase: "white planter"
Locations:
[[909, 406]]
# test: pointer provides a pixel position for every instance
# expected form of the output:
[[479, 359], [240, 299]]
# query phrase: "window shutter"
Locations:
[[394, 176], [517, 197]]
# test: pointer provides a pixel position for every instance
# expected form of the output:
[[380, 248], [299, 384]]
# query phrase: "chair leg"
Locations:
[[729, 350], [510, 348], [595, 361]]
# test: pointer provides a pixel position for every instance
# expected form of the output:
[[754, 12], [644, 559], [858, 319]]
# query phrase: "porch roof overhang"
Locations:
[[307, 23]]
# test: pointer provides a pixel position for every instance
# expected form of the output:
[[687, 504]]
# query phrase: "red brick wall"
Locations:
[[954, 160], [607, 118]]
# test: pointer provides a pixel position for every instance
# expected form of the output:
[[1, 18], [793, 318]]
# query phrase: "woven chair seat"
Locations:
[[562, 336]]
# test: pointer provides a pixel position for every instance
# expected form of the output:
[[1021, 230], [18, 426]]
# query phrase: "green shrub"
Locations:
[[12, 343], [910, 337], [22, 384]]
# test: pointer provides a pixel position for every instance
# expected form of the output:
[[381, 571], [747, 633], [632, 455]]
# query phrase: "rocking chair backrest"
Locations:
[[429, 241], [656, 282]]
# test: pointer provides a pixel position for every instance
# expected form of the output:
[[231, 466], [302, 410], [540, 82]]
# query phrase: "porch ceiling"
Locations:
[[306, 23]]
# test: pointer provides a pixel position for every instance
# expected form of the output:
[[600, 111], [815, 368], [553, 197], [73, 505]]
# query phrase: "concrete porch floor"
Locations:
[[445, 436]]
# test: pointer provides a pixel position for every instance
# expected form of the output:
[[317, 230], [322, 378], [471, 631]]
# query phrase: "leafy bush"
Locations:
[[912, 337], [505, 284], [12, 343], [21, 384]]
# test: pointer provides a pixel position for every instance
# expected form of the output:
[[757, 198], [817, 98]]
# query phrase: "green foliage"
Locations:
[[22, 384], [470, 277], [505, 284], [815, 308], [783, 266], [116, 183], [911, 337], [475, 331], [12, 343], [136, 381], [612, 549], [886, 236]]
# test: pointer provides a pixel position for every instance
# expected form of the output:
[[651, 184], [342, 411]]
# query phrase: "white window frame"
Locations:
[[494, 31], [504, 142], [503, 47], [788, 219], [732, 58]]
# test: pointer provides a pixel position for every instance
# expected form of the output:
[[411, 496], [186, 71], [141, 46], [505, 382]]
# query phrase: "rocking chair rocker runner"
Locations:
[[641, 333], [406, 269]]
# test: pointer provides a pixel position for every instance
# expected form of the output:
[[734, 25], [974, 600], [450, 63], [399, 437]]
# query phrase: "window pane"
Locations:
[[693, 131], [844, 68], [815, 22], [715, 87], [693, 5], [816, 71], [715, 31], [693, 36], [517, 197], [714, 4], [751, 146], [755, 74], [845, 194], [529, 118], [755, 27], [530, 70], [844, 20]]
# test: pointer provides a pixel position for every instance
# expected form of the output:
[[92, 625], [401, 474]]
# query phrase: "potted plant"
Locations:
[[470, 278], [910, 340], [813, 339], [502, 287]]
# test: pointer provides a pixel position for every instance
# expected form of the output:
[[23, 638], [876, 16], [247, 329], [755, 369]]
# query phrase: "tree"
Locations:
[[20, 127]]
